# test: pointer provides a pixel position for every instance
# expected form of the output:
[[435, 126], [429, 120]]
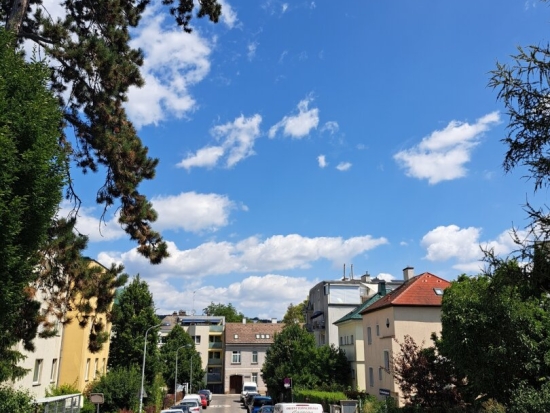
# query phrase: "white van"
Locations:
[[248, 386], [298, 408]]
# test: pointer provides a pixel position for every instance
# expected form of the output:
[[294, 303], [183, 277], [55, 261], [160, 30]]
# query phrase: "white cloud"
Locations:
[[443, 154], [385, 276], [322, 161], [243, 295], [284, 7], [92, 227], [279, 252], [331, 127], [299, 125], [343, 166], [252, 50], [174, 61], [229, 16], [464, 246], [192, 212], [236, 143]]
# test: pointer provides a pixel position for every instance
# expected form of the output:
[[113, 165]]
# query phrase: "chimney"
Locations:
[[244, 320], [273, 321], [408, 273], [181, 312], [365, 277], [382, 288]]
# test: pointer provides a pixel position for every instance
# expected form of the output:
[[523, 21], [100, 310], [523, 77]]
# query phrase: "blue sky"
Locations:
[[296, 137]]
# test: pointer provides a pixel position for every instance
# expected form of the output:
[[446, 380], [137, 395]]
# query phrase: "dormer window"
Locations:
[[438, 291]]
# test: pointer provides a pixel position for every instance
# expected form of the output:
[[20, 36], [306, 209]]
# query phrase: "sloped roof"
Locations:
[[251, 333], [418, 291], [355, 314]]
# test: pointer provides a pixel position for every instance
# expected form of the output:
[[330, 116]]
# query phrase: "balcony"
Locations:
[[216, 329], [215, 344], [215, 362]]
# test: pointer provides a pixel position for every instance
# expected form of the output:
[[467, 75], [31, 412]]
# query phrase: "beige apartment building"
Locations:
[[412, 309], [245, 348]]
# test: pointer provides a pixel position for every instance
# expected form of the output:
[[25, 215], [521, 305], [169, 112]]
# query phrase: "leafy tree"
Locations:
[[120, 388], [294, 354], [94, 66], [295, 313], [12, 400], [31, 183], [496, 334], [176, 339], [426, 379], [133, 313], [228, 311]]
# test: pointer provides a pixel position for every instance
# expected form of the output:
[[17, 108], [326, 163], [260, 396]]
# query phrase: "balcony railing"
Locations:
[[215, 344], [216, 329], [214, 362]]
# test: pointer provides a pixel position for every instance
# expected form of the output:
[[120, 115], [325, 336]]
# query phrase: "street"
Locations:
[[225, 403]]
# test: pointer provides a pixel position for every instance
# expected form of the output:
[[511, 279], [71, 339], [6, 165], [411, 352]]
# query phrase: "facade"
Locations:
[[207, 333], [78, 365], [413, 309], [245, 349], [329, 301], [350, 333], [43, 363]]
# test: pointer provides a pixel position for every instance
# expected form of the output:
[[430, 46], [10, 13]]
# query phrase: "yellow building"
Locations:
[[78, 365]]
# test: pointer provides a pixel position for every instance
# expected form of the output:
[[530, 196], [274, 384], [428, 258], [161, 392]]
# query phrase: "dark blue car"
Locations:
[[260, 401]]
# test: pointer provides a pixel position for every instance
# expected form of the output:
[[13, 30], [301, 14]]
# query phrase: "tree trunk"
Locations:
[[17, 13]]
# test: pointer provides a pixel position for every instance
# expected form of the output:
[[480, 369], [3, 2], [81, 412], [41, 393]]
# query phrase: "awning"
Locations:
[[316, 314]]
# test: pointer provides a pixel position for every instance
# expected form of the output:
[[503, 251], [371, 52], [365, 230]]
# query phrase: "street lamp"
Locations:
[[176, 377], [143, 365]]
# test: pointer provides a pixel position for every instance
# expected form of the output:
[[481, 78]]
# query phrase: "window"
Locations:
[[96, 367], [103, 367], [197, 339], [352, 373], [377, 330], [236, 336], [267, 336], [369, 336], [215, 339], [341, 341], [214, 355], [387, 360], [37, 371], [87, 372], [254, 356], [438, 291], [53, 373], [257, 336], [380, 369], [236, 357], [371, 377], [255, 377], [351, 339], [326, 289]]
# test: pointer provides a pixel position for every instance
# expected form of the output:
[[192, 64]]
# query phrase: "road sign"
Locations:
[[287, 382], [97, 398]]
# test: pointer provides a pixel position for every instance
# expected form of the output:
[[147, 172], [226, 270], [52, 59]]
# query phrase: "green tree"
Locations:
[[295, 313], [496, 333], [294, 354], [120, 388], [133, 314], [12, 400], [228, 311], [178, 338], [93, 70], [31, 183]]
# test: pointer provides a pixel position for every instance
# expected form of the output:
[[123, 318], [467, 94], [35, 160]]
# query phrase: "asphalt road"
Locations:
[[225, 403]]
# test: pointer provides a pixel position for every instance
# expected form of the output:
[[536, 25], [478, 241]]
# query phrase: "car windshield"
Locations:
[[249, 388], [260, 401], [190, 403]]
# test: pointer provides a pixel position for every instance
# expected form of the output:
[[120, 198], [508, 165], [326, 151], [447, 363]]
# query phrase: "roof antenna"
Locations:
[[351, 272], [344, 275]]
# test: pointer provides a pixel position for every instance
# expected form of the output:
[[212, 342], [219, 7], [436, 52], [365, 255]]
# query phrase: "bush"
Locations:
[[12, 400], [120, 388]]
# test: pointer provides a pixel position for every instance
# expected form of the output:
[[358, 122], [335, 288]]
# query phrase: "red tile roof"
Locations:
[[418, 291], [246, 333]]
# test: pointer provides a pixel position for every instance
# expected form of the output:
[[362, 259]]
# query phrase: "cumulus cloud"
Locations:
[[174, 61], [243, 295], [87, 224], [322, 161], [252, 50], [385, 276], [300, 125], [192, 212], [443, 154], [279, 252], [343, 166], [464, 246], [236, 142]]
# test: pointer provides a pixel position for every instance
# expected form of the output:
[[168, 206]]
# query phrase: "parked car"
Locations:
[[204, 401], [259, 401], [248, 398], [248, 386], [193, 396], [207, 393], [172, 411], [298, 408], [192, 405]]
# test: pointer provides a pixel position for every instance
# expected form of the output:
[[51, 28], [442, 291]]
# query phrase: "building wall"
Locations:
[[47, 353], [249, 370], [394, 322], [351, 341]]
